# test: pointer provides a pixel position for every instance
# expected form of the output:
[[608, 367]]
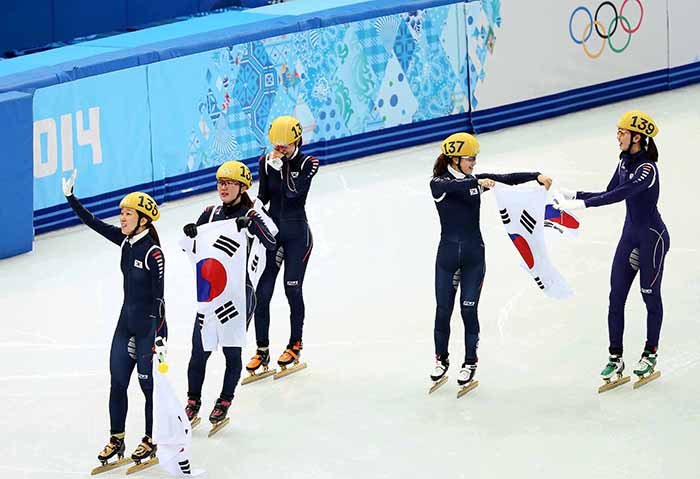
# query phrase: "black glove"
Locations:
[[243, 222], [190, 230]]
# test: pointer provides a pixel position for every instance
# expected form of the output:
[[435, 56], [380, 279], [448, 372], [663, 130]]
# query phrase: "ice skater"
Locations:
[[285, 180], [460, 258], [642, 247], [141, 320]]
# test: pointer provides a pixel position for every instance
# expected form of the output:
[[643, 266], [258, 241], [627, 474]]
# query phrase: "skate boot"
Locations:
[[218, 417], [466, 380], [144, 456], [260, 359], [192, 411], [438, 375], [615, 367], [115, 447], [290, 356], [645, 368]]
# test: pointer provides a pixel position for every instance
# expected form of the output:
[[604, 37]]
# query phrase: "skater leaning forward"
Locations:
[[142, 316], [644, 242], [460, 260], [233, 180], [285, 180]]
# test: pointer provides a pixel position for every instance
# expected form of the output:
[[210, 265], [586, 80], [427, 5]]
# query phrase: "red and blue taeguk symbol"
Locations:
[[211, 280], [560, 218], [524, 249]]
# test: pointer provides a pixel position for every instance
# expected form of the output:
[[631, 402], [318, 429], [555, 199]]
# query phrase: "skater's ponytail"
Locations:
[[652, 152], [440, 166], [153, 233]]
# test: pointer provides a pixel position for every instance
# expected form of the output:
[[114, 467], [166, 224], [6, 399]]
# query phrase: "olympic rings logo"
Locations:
[[619, 21]]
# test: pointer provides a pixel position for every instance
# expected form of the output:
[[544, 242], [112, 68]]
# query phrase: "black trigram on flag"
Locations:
[[185, 466], [539, 282], [226, 312], [505, 217], [254, 265], [200, 320], [527, 221], [554, 226], [227, 245]]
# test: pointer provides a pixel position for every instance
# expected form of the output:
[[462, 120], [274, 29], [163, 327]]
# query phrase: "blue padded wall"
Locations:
[[17, 180]]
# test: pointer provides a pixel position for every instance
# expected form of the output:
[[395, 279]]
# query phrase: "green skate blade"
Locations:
[[436, 384], [219, 426], [287, 371], [647, 379], [113, 465], [465, 389], [257, 377], [142, 466], [613, 384]]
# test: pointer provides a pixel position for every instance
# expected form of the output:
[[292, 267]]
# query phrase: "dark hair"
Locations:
[[441, 164], [647, 143], [152, 232], [245, 200]]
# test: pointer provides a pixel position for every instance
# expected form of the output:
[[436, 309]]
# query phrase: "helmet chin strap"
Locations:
[[138, 225], [628, 150], [459, 166]]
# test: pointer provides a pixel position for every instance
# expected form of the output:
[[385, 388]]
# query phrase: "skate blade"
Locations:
[[436, 384], [195, 422], [144, 465], [465, 389], [113, 465], [219, 426], [257, 377], [647, 379], [613, 384], [287, 371]]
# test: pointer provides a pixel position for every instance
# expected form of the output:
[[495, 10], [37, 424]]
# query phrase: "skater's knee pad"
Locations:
[[146, 383], [119, 384], [652, 300], [292, 289], [443, 315]]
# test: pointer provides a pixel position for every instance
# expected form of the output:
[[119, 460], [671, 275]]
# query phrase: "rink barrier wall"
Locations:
[[17, 180], [202, 181], [569, 101], [330, 151], [32, 24]]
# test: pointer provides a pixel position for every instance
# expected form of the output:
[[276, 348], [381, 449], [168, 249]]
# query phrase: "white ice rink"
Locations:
[[361, 409]]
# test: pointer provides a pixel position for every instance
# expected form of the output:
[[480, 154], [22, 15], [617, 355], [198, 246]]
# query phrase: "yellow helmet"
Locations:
[[235, 170], [141, 202], [639, 122], [460, 144], [284, 130]]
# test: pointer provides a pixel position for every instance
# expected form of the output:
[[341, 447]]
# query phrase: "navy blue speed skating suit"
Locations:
[[461, 257], [142, 316], [286, 191], [642, 246]]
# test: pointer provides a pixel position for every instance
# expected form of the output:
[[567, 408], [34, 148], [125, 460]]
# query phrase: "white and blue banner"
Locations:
[[99, 125]]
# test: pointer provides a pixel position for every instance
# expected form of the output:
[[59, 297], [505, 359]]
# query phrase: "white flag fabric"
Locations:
[[220, 258], [171, 428], [522, 211], [257, 257]]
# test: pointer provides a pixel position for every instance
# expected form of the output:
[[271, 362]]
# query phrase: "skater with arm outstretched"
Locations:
[[642, 246], [142, 316], [460, 260], [285, 180], [233, 180]]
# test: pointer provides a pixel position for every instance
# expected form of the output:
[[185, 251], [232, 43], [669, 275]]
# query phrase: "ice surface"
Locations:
[[362, 409]]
